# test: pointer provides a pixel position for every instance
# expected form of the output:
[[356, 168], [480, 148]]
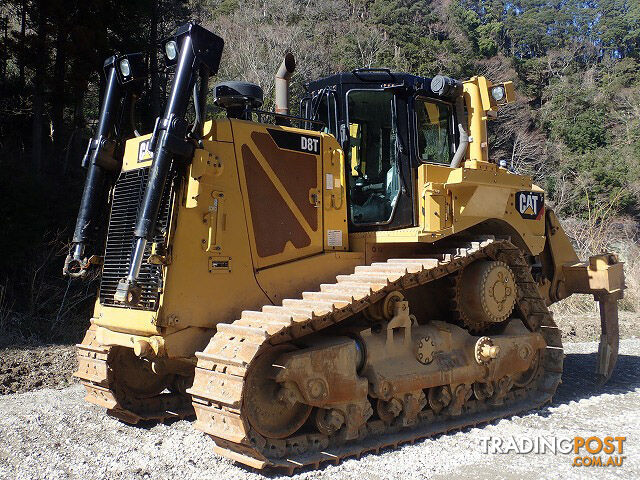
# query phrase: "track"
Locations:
[[54, 434], [219, 384], [99, 375]]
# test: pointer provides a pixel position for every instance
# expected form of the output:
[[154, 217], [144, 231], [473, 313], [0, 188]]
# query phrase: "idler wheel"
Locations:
[[271, 415], [525, 378], [134, 377]]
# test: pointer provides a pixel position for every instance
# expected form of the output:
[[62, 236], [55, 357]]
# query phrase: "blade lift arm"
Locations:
[[103, 157], [199, 56]]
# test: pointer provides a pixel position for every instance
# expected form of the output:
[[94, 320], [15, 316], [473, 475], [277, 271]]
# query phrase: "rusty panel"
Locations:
[[274, 224], [297, 172]]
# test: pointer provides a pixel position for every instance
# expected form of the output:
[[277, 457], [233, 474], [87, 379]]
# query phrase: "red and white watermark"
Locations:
[[593, 451]]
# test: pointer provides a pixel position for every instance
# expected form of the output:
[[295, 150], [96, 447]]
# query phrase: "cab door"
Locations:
[[378, 170]]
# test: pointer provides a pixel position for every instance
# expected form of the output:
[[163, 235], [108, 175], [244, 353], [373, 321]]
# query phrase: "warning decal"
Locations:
[[334, 238]]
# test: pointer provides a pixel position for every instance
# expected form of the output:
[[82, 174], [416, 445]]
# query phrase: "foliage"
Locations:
[[575, 126]]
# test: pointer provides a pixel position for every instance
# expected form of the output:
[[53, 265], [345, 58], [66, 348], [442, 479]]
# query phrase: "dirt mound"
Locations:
[[31, 368]]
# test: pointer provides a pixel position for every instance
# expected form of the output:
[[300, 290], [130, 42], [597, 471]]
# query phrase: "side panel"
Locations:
[[208, 267], [479, 195], [211, 276], [334, 218], [455, 199], [281, 179], [246, 230]]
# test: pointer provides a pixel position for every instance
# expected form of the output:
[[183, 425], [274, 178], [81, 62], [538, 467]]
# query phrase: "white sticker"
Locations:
[[329, 181], [336, 183], [144, 153], [334, 238]]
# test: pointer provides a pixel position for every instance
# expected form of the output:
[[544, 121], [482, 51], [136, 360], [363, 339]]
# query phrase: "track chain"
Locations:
[[217, 391], [96, 373]]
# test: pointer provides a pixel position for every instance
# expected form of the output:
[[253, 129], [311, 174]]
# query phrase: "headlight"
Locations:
[[171, 49], [125, 68], [498, 93], [130, 68]]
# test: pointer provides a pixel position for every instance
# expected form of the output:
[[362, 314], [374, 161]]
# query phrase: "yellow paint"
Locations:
[[455, 199], [212, 225], [220, 130], [477, 121], [242, 131], [433, 112], [334, 196], [130, 159], [485, 201], [126, 320], [215, 227], [173, 345], [290, 279], [356, 141], [214, 270]]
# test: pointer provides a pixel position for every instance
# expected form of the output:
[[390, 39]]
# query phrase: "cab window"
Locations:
[[373, 170], [433, 120], [322, 107]]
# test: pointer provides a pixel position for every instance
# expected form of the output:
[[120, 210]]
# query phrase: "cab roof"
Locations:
[[372, 78]]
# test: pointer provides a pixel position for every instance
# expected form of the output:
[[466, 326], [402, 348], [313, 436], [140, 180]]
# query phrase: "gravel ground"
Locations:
[[53, 434]]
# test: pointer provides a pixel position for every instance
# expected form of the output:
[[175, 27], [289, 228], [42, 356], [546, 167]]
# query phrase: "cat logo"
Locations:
[[530, 205], [144, 153]]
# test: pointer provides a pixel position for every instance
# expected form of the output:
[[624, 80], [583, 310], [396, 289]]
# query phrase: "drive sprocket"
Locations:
[[485, 294]]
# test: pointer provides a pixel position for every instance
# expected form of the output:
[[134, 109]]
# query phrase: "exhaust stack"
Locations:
[[283, 76]]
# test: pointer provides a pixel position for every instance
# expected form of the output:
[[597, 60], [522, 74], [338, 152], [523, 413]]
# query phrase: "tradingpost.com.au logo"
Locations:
[[592, 451]]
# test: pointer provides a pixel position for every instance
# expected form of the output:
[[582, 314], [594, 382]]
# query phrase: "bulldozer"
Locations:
[[317, 286]]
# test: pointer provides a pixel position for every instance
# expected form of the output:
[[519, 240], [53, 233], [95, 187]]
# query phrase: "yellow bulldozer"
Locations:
[[317, 286]]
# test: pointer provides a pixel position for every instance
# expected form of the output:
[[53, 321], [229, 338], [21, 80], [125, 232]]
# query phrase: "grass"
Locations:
[[594, 236]]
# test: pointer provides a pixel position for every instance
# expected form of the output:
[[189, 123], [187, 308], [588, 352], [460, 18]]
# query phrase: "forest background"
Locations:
[[575, 126]]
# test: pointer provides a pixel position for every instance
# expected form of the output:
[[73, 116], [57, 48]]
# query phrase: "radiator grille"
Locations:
[[127, 197]]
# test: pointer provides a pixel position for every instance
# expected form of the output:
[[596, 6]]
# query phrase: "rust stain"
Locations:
[[273, 221], [296, 171]]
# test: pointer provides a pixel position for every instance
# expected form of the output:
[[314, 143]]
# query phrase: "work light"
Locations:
[[498, 93], [206, 46], [125, 68], [171, 50], [130, 68]]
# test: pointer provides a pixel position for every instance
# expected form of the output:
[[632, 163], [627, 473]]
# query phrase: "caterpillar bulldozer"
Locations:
[[318, 286]]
